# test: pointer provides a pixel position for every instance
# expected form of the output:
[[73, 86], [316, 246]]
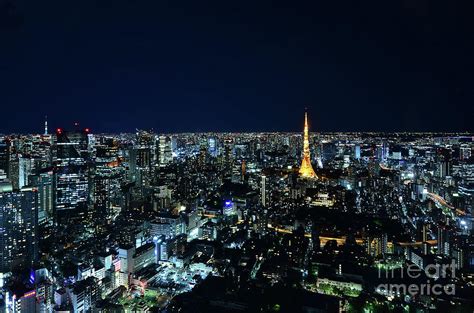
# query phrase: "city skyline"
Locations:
[[231, 157], [77, 125], [146, 221]]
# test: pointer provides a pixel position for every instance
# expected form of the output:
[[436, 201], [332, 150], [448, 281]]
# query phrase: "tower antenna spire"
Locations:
[[45, 125]]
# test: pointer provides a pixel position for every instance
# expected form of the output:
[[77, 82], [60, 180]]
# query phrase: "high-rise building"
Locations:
[[165, 154], [144, 149], [4, 155], [44, 183], [142, 156], [465, 152], [228, 158], [18, 224], [212, 147], [357, 152], [306, 169], [71, 158], [45, 125], [376, 246], [444, 168], [444, 247], [106, 182], [384, 151], [26, 167], [14, 170]]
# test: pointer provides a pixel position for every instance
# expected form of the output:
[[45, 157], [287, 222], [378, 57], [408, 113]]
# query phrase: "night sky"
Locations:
[[178, 66]]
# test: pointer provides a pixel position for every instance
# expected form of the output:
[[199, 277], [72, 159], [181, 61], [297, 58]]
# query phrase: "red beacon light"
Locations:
[[87, 130], [59, 130]]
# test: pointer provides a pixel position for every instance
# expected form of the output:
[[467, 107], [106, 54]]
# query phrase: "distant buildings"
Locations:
[[219, 221]]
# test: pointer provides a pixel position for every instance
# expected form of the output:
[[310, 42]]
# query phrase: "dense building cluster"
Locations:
[[227, 222]]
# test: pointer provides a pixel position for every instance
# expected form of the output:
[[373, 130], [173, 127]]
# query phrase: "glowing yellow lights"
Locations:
[[306, 169]]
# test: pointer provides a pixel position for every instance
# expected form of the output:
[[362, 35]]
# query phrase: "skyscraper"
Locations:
[[106, 181], [18, 222], [444, 244], [71, 174], [357, 152], [45, 125], [165, 154], [44, 182], [306, 169], [263, 191], [5, 152]]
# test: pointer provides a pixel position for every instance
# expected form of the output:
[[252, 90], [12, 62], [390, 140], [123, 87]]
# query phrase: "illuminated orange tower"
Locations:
[[306, 169]]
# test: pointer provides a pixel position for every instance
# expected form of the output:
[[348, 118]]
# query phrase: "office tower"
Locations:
[[357, 152], [26, 167], [237, 176], [328, 150], [142, 157], [465, 152], [71, 158], [45, 125], [377, 246], [14, 170], [164, 153], [228, 156], [18, 222], [4, 155], [423, 231], [240, 150], [212, 147], [125, 254], [106, 182], [161, 197], [385, 151], [44, 183], [444, 168], [382, 244], [145, 149], [444, 239], [174, 145], [263, 190], [306, 169], [131, 158], [202, 158], [461, 252]]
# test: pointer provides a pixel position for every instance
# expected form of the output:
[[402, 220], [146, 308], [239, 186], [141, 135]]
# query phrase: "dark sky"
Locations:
[[117, 65]]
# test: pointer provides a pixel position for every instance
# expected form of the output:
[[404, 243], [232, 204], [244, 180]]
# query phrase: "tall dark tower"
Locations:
[[45, 125]]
